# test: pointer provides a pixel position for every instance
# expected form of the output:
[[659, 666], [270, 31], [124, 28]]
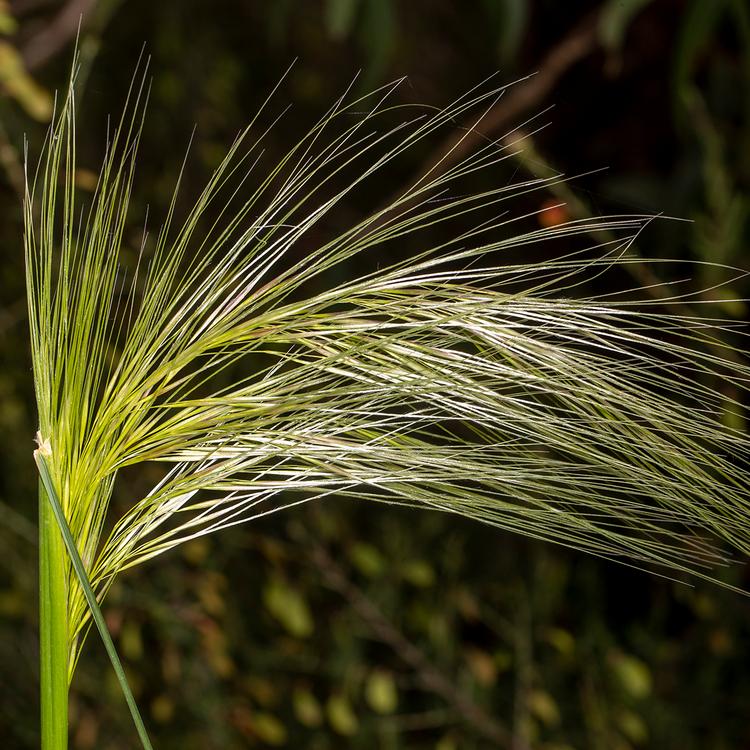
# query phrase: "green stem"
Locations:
[[53, 629], [90, 596]]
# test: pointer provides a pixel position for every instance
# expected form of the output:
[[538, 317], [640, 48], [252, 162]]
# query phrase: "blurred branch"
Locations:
[[91, 41], [56, 34], [431, 678], [417, 722], [516, 100], [10, 161], [22, 7], [591, 698], [579, 43], [524, 674], [18, 524]]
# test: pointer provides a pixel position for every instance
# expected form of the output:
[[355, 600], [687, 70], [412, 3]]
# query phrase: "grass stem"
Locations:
[[58, 517], [53, 629]]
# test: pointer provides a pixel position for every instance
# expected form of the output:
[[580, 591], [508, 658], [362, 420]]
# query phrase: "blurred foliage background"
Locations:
[[367, 627]]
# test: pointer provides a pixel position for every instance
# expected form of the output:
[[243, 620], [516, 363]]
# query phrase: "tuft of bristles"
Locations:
[[456, 380]]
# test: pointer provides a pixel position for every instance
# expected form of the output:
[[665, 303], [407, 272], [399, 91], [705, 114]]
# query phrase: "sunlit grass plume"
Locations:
[[454, 380]]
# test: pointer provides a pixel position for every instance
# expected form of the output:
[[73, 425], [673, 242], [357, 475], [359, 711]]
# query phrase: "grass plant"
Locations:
[[455, 380]]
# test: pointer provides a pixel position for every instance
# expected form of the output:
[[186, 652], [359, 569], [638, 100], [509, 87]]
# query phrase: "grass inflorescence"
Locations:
[[453, 380]]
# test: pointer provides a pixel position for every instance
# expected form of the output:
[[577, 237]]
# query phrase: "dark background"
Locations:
[[364, 627]]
